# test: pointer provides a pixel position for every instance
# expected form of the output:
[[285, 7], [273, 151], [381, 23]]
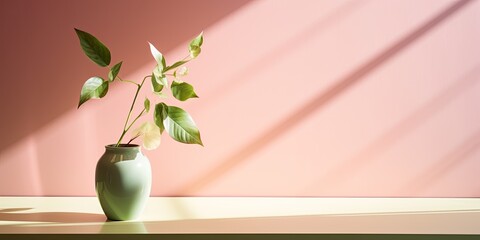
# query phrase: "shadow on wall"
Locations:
[[322, 25], [406, 126], [422, 183], [43, 67], [318, 102]]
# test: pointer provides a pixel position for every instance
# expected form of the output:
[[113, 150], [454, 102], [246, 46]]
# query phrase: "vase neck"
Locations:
[[123, 149]]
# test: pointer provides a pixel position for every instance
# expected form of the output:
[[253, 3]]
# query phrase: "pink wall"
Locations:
[[297, 98]]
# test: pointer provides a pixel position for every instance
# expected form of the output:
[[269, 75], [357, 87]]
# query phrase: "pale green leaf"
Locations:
[[183, 91], [158, 57], [93, 48], [181, 127], [195, 46], [94, 88], [112, 74], [161, 95], [150, 135], [183, 71]]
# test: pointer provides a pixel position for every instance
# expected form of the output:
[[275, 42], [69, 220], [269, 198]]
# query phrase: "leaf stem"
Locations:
[[125, 129], [127, 81], [119, 78], [133, 138], [184, 59]]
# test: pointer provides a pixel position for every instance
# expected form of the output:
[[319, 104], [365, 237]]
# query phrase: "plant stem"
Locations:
[[125, 129], [134, 120], [185, 58]]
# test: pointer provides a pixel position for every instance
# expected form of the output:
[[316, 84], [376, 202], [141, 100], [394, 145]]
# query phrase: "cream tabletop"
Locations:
[[247, 215]]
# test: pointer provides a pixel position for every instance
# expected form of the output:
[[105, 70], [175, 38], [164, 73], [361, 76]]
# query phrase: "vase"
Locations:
[[123, 179]]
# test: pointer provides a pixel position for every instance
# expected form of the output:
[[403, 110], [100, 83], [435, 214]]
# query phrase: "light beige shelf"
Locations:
[[247, 215]]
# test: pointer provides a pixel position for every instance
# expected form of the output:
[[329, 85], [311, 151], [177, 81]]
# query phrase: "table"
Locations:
[[247, 215]]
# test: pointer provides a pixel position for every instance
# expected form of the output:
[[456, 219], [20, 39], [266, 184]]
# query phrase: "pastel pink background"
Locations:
[[297, 98]]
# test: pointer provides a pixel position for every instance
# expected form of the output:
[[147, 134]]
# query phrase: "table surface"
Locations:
[[247, 215]]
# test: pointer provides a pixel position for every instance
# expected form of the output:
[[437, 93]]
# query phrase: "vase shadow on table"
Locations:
[[18, 215], [123, 227], [65, 221]]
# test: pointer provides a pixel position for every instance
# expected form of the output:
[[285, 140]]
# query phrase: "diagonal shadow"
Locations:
[[10, 210], [318, 223], [367, 155], [275, 54], [125, 28], [321, 100], [15, 214], [429, 177]]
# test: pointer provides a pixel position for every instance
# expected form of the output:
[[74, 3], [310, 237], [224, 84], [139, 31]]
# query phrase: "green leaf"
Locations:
[[94, 88], [181, 127], [146, 105], [195, 51], [197, 41], [183, 91], [175, 65], [93, 48], [158, 57], [195, 44], [160, 76], [160, 114], [157, 86], [112, 74], [159, 80]]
